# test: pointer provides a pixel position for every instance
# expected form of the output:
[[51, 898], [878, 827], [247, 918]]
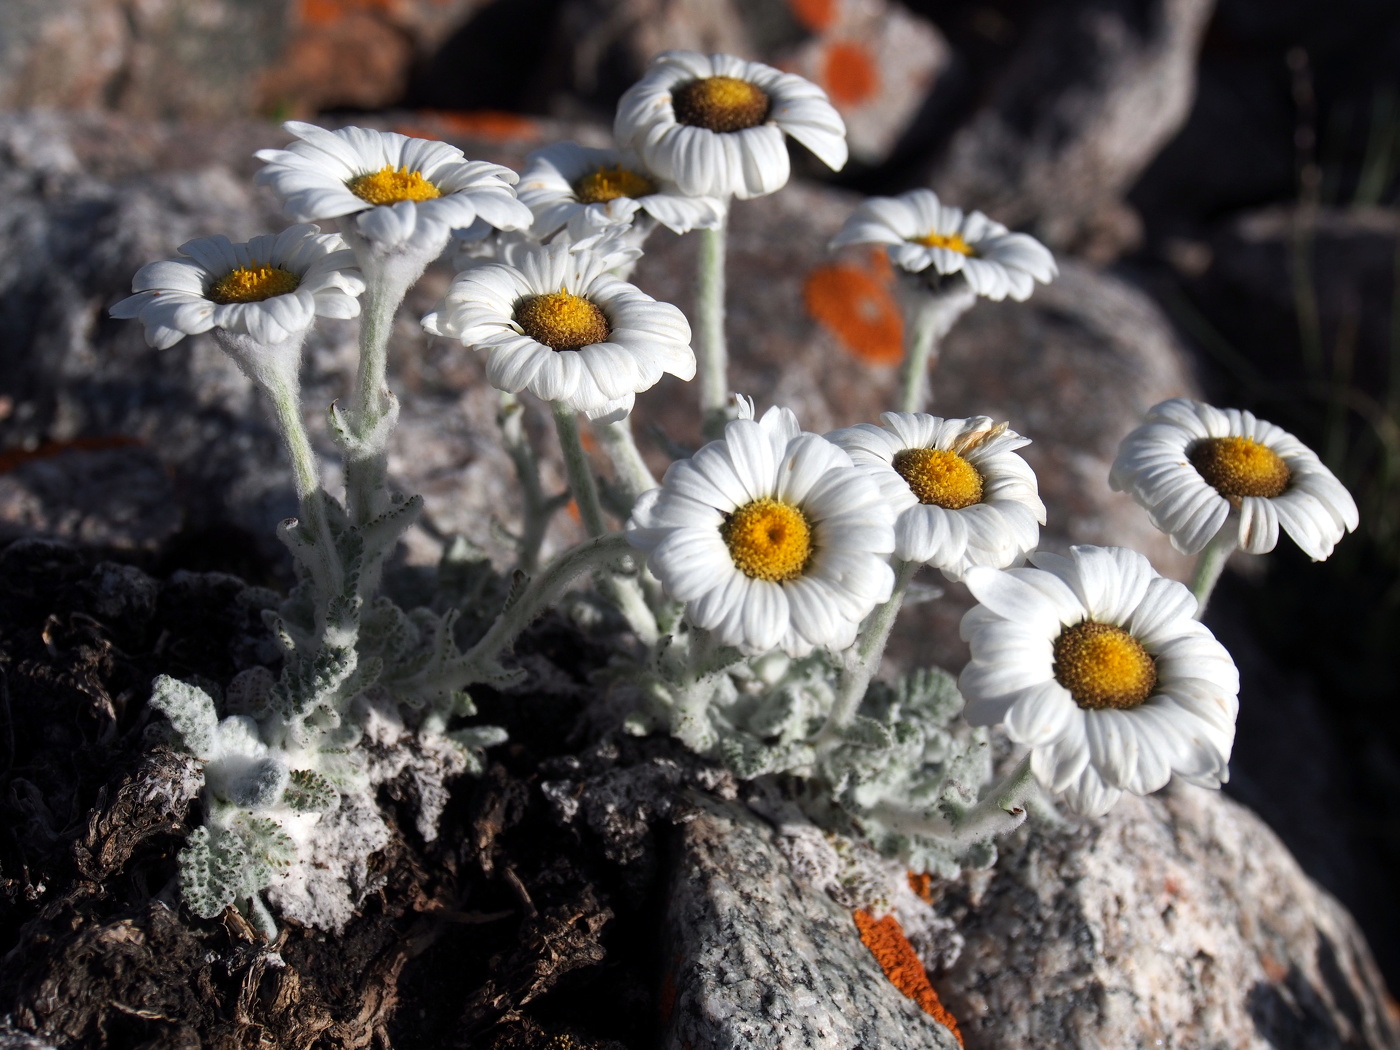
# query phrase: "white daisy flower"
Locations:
[[1198, 469], [961, 493], [270, 289], [583, 190], [921, 234], [1096, 663], [771, 538], [555, 322], [406, 194], [714, 125]]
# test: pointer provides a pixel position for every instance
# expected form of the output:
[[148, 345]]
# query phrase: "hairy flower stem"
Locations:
[[928, 317], [633, 475], [538, 508], [366, 464], [283, 392], [711, 350], [624, 592], [1210, 563], [1001, 810], [865, 661], [597, 554]]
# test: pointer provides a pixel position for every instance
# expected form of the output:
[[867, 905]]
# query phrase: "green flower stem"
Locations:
[[711, 350], [865, 661], [283, 392], [624, 592], [1210, 563], [366, 465], [596, 555], [538, 508], [633, 475]]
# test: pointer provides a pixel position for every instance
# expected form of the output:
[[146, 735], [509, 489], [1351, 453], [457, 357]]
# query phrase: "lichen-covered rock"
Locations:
[[1177, 921], [758, 961]]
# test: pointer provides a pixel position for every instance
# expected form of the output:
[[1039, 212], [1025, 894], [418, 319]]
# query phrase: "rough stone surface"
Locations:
[[1177, 921], [760, 962], [1096, 90]]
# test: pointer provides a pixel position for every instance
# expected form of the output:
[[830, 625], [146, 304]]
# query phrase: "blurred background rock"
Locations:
[[1220, 181]]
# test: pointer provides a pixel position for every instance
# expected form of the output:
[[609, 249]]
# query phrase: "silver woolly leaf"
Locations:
[[191, 711], [309, 792]]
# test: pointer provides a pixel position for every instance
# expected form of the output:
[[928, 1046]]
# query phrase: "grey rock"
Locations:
[[1096, 89], [1177, 921], [761, 962]]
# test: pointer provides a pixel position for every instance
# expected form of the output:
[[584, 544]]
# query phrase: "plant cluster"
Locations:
[[757, 583]]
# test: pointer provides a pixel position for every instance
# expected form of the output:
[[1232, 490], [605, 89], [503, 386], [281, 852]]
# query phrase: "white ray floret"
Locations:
[[270, 289], [1096, 663], [961, 493], [715, 124], [1199, 469], [555, 322], [405, 194], [771, 538], [585, 190], [922, 234]]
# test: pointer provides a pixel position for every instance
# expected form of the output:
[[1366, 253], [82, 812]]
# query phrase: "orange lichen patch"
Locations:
[[816, 15], [859, 309], [892, 950], [329, 12], [11, 458], [849, 74], [922, 885], [494, 124]]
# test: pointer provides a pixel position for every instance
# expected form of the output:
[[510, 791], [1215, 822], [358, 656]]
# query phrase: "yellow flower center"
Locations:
[[1103, 666], [768, 540], [608, 184], [562, 321], [387, 186], [253, 284], [1240, 466], [939, 477], [952, 241], [720, 104]]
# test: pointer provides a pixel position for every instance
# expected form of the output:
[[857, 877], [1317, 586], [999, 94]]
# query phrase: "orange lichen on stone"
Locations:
[[892, 950], [859, 309], [922, 885], [11, 458], [328, 12], [849, 74], [492, 124], [816, 15]]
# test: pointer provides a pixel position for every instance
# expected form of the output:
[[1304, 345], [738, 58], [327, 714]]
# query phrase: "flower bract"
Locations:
[[921, 234], [961, 493], [1198, 469], [555, 322], [406, 194], [714, 125], [270, 289], [586, 190], [770, 537], [1098, 665]]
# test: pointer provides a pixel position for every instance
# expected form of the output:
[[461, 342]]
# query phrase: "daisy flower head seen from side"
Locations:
[[1097, 664], [268, 291], [399, 195], [962, 494], [714, 125], [771, 538], [585, 190], [554, 321], [923, 235], [1199, 469]]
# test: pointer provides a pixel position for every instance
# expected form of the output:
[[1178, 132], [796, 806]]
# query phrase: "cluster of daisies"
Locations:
[[772, 538]]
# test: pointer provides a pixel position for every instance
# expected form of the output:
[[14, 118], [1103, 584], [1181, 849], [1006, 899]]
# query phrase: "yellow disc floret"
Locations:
[[952, 241], [562, 320], [1103, 666], [768, 540], [939, 477], [389, 186], [253, 283], [608, 184], [1240, 466], [720, 104]]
